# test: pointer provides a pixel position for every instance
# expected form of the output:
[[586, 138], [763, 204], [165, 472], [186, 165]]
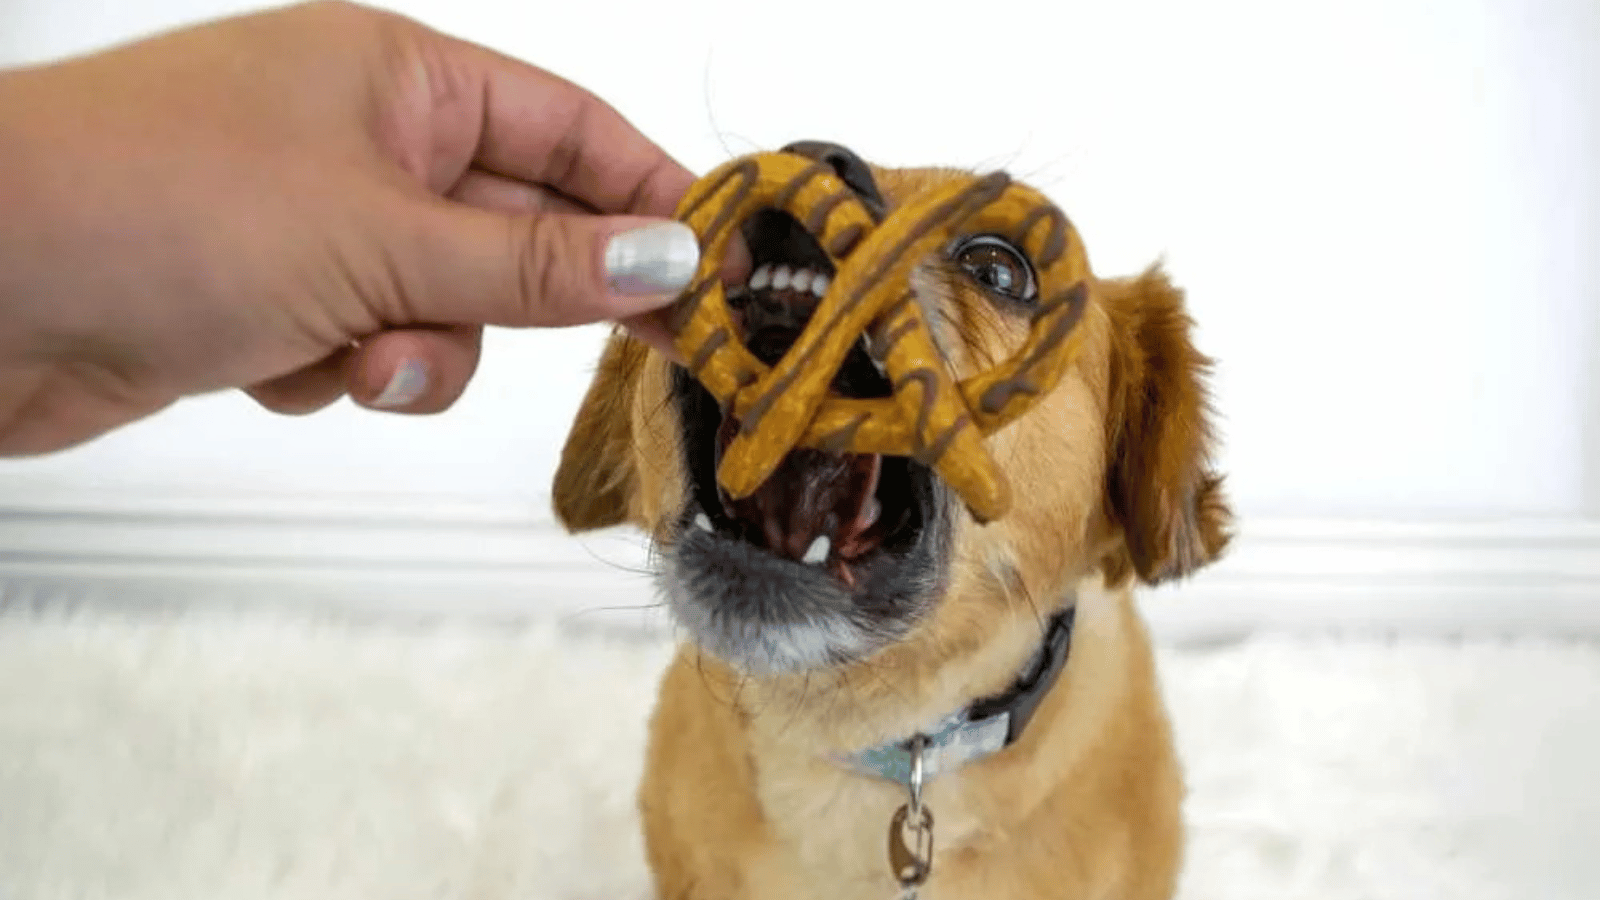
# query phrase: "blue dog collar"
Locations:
[[981, 729]]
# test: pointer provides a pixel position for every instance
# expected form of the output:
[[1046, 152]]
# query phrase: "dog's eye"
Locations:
[[997, 265]]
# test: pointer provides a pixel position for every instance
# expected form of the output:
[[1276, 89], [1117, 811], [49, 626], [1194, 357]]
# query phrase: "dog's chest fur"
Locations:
[[829, 834], [828, 827]]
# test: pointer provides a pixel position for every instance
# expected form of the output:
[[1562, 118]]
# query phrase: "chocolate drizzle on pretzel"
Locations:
[[930, 417]]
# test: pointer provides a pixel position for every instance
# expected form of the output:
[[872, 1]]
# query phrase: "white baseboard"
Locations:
[[442, 557], [1504, 576]]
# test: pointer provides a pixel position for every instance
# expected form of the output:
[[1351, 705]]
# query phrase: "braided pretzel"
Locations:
[[930, 418]]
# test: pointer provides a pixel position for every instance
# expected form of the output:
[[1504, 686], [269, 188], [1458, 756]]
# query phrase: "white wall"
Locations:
[[1384, 211]]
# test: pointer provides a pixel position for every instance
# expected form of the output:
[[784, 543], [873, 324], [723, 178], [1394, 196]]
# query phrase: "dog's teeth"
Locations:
[[819, 284], [702, 522], [761, 278], [874, 509], [780, 278], [817, 553]]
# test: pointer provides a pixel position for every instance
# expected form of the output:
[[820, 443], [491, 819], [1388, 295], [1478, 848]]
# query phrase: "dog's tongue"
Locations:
[[810, 494]]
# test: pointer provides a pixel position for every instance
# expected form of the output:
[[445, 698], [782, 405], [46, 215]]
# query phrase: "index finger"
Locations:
[[542, 129]]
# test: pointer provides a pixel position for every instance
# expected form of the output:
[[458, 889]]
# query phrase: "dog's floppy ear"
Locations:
[[1161, 487], [596, 480]]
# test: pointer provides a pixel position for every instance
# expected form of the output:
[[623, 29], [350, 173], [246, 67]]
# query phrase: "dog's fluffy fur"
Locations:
[[1113, 487]]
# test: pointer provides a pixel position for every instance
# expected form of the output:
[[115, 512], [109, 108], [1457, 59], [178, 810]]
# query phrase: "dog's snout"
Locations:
[[791, 273], [850, 168]]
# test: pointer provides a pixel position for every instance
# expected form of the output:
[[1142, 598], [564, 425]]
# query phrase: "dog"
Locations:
[[813, 674]]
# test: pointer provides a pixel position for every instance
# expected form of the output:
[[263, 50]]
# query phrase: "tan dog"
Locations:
[[849, 604]]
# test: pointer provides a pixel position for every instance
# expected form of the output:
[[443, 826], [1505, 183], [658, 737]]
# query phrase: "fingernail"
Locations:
[[655, 259], [408, 383]]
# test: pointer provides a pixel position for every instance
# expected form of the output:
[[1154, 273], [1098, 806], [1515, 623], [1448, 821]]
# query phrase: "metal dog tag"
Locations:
[[911, 849]]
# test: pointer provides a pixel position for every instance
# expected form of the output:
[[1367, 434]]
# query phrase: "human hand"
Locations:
[[303, 203]]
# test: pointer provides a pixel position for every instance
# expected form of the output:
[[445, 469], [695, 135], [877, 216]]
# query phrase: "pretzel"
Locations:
[[931, 418]]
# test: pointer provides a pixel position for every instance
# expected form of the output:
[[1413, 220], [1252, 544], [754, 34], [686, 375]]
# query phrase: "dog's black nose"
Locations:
[[849, 167]]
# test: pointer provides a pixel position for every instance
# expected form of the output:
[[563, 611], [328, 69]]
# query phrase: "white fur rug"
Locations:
[[245, 755]]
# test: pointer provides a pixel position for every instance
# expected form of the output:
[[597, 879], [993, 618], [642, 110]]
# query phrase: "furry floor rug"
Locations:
[[242, 756]]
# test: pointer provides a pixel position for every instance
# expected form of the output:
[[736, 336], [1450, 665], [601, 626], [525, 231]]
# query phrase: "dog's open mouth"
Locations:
[[841, 544], [829, 510]]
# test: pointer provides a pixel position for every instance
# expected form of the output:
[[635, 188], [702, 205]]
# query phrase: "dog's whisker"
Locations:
[[874, 668], [1048, 175], [833, 701], [798, 706], [984, 357], [711, 113], [1039, 619], [614, 565], [1004, 161], [645, 572], [578, 615], [711, 116]]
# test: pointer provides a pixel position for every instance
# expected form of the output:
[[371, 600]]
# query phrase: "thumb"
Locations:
[[549, 269]]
